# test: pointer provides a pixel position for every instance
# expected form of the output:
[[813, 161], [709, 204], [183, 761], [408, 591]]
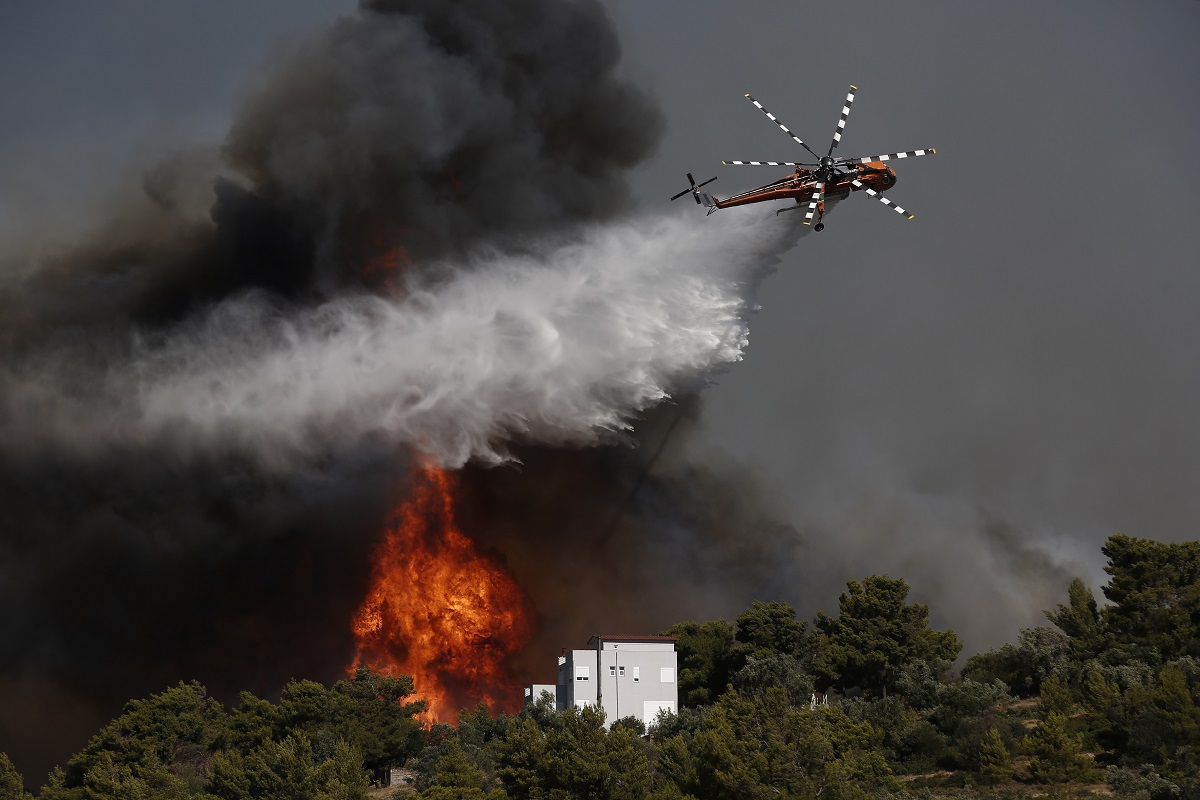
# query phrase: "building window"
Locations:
[[637, 674], [612, 671], [582, 673], [622, 671], [666, 675]]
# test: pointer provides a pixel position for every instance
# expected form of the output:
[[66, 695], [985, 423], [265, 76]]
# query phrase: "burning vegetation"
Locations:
[[440, 610]]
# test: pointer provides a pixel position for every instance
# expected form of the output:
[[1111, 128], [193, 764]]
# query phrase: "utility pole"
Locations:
[[599, 674], [617, 681]]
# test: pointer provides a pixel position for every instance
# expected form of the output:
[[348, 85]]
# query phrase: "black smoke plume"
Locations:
[[406, 133], [413, 237]]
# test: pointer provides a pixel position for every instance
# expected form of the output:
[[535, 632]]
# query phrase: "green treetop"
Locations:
[[771, 629], [11, 785], [876, 635], [707, 660], [1154, 589]]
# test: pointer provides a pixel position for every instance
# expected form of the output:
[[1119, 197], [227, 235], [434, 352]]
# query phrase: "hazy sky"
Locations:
[[1022, 355], [972, 400]]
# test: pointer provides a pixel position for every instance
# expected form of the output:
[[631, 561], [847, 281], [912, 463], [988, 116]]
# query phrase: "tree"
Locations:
[[368, 711], [341, 776], [1164, 719], [762, 747], [960, 710], [523, 758], [1054, 755], [995, 762], [386, 731], [744, 750], [961, 700], [707, 660], [772, 672], [711, 654], [1154, 589], [148, 737], [1129, 784], [1108, 724], [449, 752], [1056, 698], [107, 779], [251, 723], [289, 770], [456, 777], [771, 629], [12, 785], [876, 635], [1039, 653], [1080, 622], [573, 756]]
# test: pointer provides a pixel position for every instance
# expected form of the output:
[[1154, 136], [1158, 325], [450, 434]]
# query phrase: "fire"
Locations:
[[439, 610], [392, 260], [382, 252]]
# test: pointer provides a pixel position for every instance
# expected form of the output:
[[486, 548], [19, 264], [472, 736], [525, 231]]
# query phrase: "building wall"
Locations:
[[634, 679], [534, 693]]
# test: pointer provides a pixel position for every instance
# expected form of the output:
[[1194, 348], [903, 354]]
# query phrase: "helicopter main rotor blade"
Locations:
[[817, 196], [769, 164], [890, 156], [882, 199], [782, 127], [841, 126]]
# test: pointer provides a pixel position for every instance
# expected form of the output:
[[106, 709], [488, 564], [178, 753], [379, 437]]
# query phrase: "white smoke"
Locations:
[[564, 346]]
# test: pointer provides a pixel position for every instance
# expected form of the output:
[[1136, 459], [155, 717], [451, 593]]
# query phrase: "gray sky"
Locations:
[[1021, 357], [972, 400], [91, 91]]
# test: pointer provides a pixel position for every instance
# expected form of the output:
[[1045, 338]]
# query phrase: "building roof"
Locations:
[[613, 637]]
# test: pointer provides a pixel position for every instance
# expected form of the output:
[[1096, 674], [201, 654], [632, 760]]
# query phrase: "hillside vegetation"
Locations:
[[857, 704]]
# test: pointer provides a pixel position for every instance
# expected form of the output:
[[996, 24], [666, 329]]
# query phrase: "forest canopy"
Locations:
[[861, 703]]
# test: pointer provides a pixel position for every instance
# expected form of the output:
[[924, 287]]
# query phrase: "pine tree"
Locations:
[[876, 635], [1080, 620], [995, 762], [12, 786], [1054, 755], [1056, 698], [1154, 589]]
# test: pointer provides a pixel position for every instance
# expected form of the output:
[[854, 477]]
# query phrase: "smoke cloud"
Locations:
[[414, 243]]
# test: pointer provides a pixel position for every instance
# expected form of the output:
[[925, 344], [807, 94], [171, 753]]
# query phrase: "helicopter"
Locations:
[[828, 177]]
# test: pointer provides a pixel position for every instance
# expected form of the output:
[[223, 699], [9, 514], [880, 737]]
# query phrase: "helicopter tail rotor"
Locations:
[[701, 197]]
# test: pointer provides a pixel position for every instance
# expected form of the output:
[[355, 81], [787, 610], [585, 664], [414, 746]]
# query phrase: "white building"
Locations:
[[628, 676]]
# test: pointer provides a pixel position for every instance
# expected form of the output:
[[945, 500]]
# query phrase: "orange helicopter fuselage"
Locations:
[[800, 184]]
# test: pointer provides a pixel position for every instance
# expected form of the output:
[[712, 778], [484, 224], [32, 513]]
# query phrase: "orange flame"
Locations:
[[439, 610], [385, 256], [391, 260]]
